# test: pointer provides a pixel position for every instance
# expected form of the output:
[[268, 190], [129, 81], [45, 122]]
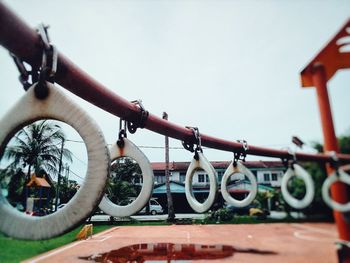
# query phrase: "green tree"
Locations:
[[68, 188], [344, 143], [15, 186], [319, 174], [123, 182], [36, 147]]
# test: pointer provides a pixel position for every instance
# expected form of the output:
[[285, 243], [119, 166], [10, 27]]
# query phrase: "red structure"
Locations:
[[327, 62]]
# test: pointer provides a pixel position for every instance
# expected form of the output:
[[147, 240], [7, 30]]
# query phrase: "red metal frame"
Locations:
[[23, 41], [317, 73]]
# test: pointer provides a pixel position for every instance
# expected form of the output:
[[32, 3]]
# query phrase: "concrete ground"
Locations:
[[247, 243]]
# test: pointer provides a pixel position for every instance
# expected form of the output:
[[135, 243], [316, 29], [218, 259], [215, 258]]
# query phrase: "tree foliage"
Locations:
[[37, 146], [16, 186], [122, 184], [67, 189], [319, 174]]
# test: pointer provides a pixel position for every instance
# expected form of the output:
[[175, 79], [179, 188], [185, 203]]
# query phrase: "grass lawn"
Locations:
[[13, 250]]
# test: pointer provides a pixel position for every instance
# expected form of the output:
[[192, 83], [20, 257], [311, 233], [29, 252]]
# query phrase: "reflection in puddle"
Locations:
[[169, 252]]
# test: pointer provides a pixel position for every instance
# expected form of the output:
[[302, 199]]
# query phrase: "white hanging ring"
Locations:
[[59, 107], [334, 177], [231, 170], [130, 150], [201, 163], [298, 171]]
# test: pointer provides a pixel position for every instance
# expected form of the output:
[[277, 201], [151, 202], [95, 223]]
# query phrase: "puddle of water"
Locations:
[[169, 252]]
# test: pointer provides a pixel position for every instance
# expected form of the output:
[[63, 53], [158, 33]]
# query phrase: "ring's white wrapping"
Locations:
[[231, 170], [309, 186], [342, 177], [59, 107], [132, 151], [201, 163]]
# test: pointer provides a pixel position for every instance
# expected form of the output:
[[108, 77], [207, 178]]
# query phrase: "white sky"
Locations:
[[229, 67]]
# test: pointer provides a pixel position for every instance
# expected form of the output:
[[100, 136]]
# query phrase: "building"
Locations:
[[268, 174]]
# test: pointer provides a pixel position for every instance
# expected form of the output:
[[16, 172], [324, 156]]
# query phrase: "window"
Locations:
[[274, 176], [182, 177], [152, 202], [160, 179], [201, 178], [206, 178], [266, 177]]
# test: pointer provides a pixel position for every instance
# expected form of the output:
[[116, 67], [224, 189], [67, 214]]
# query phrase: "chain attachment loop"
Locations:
[[24, 73], [240, 155], [289, 160], [335, 161], [48, 63], [189, 145], [122, 133], [47, 70], [141, 122]]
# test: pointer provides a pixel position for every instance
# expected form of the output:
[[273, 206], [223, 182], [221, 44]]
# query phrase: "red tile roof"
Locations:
[[38, 182]]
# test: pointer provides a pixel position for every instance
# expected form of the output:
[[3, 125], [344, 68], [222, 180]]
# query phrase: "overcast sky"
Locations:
[[229, 67]]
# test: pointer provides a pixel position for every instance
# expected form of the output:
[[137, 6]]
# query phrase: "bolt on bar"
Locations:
[[24, 42]]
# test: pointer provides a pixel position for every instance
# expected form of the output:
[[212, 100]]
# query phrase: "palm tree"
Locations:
[[36, 147]]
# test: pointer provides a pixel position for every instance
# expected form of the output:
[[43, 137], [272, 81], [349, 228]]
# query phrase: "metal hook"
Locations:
[[291, 159], [241, 155], [49, 53], [244, 145], [48, 63], [141, 123], [335, 161], [42, 31], [122, 133], [24, 73], [197, 140], [292, 154]]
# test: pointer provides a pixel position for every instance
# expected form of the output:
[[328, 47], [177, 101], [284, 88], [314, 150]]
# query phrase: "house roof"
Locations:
[[38, 182], [182, 166]]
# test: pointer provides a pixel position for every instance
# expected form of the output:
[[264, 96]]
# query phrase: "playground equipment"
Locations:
[[238, 167], [297, 170], [320, 69], [56, 106], [336, 176], [125, 148], [38, 103]]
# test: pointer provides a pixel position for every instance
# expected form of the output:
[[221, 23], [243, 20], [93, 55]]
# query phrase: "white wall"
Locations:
[[261, 177], [175, 176]]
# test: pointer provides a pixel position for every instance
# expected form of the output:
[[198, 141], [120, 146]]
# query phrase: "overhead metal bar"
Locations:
[[24, 42]]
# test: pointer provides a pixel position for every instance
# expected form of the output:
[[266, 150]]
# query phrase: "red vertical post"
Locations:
[[338, 191]]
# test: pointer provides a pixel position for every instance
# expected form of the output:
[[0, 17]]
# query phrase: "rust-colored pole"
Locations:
[[338, 191]]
